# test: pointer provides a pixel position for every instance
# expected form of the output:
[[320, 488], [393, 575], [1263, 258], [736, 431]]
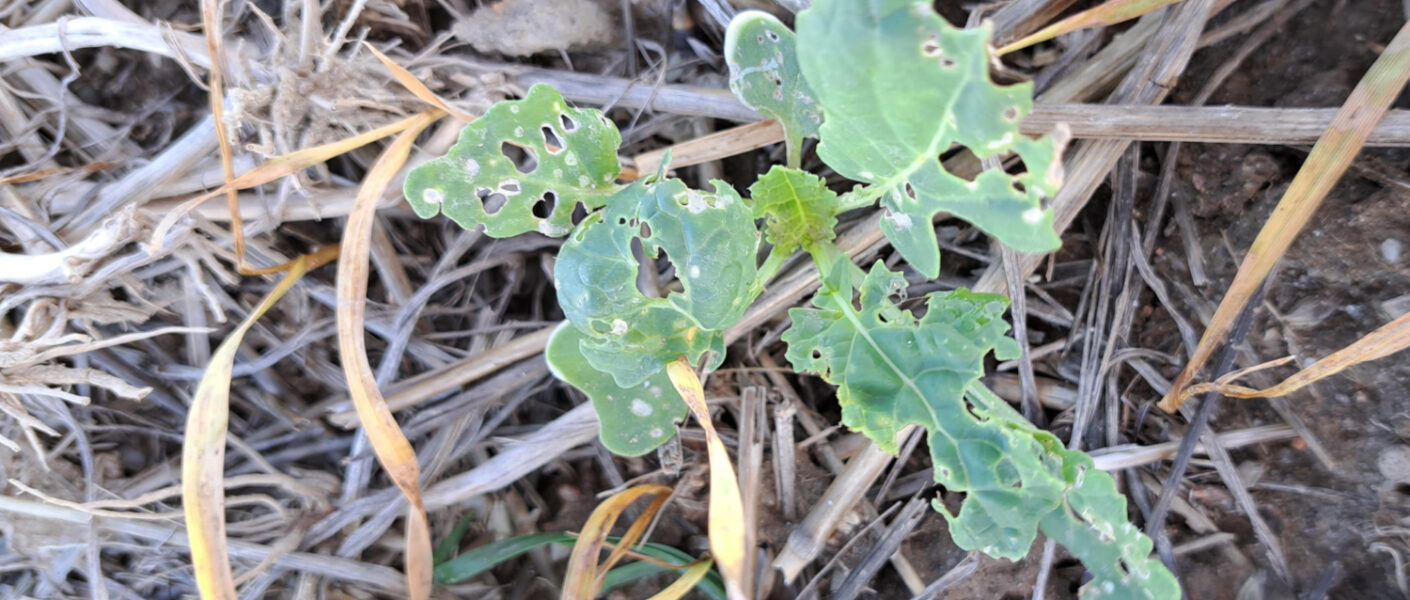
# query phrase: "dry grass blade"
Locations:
[[418, 89], [203, 449], [1108, 13], [732, 141], [1325, 164], [584, 576], [1384, 341], [726, 527], [393, 451], [278, 167], [210, 21], [687, 581]]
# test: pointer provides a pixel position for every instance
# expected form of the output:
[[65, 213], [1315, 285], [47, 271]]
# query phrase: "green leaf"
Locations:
[[762, 55], [1091, 523], [633, 420], [486, 557], [711, 241], [899, 86], [893, 369], [476, 183], [1091, 519], [798, 209]]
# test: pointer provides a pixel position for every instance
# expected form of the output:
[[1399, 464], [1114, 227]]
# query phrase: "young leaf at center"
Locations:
[[798, 209]]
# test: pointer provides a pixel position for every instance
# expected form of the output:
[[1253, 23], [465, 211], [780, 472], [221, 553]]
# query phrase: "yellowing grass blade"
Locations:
[[203, 446], [584, 576], [1108, 13], [281, 166], [414, 85], [1388, 339], [393, 451], [1325, 164], [726, 528], [687, 581]]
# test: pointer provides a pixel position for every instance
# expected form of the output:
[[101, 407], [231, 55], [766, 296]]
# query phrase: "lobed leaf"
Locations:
[[798, 209], [893, 370], [1091, 519], [899, 86], [477, 183], [634, 420], [711, 241], [762, 54]]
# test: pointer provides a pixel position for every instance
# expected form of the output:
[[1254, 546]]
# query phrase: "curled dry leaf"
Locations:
[[203, 449], [393, 450], [726, 527]]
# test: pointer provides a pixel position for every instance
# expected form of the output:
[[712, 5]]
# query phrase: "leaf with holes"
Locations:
[[762, 55], [633, 420], [711, 242], [893, 369], [570, 157], [899, 86], [798, 209], [1090, 521]]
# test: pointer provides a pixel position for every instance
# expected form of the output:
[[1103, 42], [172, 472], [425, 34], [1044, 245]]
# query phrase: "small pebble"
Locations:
[[1391, 250], [1394, 464]]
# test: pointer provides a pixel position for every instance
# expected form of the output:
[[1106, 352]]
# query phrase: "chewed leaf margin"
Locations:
[[477, 183], [934, 79], [633, 421], [893, 369]]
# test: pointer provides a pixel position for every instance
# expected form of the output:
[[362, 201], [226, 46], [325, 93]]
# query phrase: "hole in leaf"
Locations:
[[551, 140], [645, 233], [930, 47], [1010, 114], [543, 207], [491, 200], [666, 279], [817, 354], [1018, 186], [910, 191], [773, 37], [760, 39], [524, 158], [568, 123], [947, 62]]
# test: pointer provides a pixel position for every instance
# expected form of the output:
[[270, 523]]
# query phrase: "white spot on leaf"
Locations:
[[472, 168], [619, 327], [1033, 216], [640, 408], [432, 196]]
